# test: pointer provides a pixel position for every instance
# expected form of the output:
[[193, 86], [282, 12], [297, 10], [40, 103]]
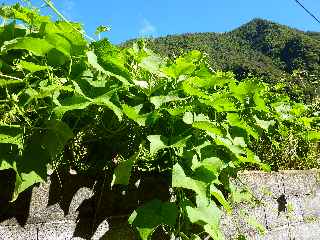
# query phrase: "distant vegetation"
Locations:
[[274, 52], [287, 58]]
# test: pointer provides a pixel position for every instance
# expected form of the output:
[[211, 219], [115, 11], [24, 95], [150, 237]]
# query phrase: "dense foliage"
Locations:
[[92, 107], [261, 48], [286, 58]]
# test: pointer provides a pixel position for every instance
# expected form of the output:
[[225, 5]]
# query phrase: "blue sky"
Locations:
[[137, 18]]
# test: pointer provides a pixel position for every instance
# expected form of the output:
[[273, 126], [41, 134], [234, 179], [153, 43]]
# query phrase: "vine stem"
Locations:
[[11, 77], [50, 5]]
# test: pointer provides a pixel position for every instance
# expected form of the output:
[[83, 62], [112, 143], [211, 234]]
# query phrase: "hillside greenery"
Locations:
[[273, 52]]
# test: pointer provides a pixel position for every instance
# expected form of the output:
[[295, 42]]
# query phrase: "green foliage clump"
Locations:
[[95, 108], [260, 48]]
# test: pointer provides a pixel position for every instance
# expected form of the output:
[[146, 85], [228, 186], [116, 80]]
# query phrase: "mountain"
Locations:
[[260, 48]]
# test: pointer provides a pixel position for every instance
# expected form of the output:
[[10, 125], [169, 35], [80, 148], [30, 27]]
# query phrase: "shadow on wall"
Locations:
[[114, 204], [18, 209]]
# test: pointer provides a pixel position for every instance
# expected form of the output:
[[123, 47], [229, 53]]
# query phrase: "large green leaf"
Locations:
[[246, 89], [32, 67], [214, 191], [157, 101], [191, 90], [209, 214], [93, 62], [214, 231], [208, 126], [190, 118], [11, 134], [180, 180], [59, 43], [158, 142], [9, 155], [152, 64], [71, 103], [41, 148], [221, 103], [181, 67], [57, 135], [105, 100], [133, 114], [264, 124], [37, 46], [235, 120], [153, 214]]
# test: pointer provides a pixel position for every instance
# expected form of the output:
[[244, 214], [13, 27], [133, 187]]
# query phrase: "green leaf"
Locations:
[[180, 180], [190, 118], [209, 126], [214, 232], [101, 29], [214, 191], [105, 100], [221, 103], [235, 120], [247, 89], [31, 67], [133, 114], [153, 214], [11, 134], [178, 110], [42, 148], [57, 135], [59, 43], [9, 154], [194, 237], [69, 31], [71, 103], [204, 215], [237, 150], [312, 135], [25, 14], [37, 46], [260, 103], [152, 64], [157, 142], [25, 181], [264, 124], [93, 62], [191, 90], [254, 159], [122, 172], [181, 67], [213, 164], [157, 101]]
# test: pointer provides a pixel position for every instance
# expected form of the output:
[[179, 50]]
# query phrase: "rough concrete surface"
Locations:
[[286, 206]]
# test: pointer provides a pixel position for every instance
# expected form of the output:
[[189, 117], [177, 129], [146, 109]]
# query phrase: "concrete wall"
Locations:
[[286, 205]]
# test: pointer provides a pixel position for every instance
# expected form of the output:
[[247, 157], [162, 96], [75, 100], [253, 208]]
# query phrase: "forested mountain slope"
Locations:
[[260, 47]]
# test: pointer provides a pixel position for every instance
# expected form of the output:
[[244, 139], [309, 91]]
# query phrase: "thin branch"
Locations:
[[11, 77]]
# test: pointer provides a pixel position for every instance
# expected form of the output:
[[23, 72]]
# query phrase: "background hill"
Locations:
[[260, 47]]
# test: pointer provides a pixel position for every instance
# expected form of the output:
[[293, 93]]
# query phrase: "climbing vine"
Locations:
[[91, 107]]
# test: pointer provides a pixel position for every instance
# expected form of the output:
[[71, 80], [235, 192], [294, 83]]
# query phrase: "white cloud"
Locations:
[[147, 29]]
